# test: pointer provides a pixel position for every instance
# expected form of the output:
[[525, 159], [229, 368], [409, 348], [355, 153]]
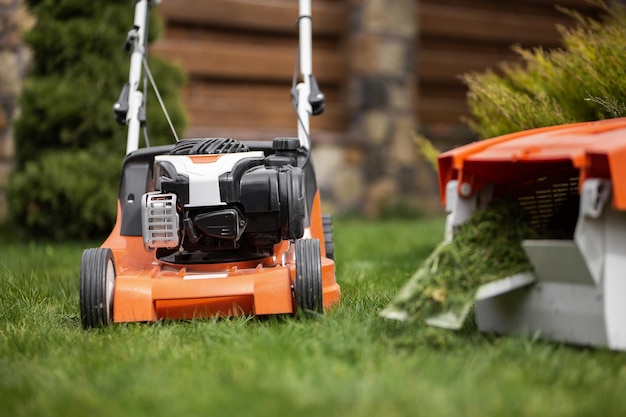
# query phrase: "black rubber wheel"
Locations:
[[327, 223], [308, 282], [97, 281]]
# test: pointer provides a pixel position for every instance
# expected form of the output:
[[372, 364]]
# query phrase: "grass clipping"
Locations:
[[486, 248]]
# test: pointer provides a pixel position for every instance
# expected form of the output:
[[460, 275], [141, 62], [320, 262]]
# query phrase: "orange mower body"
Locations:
[[263, 262], [149, 290]]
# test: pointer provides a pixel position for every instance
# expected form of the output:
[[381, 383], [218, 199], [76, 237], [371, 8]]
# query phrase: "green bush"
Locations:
[[67, 193], [583, 80], [69, 149]]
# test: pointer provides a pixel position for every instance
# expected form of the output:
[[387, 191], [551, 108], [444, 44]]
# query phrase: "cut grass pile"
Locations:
[[349, 362], [486, 248]]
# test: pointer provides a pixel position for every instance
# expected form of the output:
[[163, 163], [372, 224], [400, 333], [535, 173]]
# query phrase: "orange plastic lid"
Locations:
[[595, 149]]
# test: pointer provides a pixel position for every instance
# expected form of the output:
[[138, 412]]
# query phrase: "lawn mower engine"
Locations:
[[216, 201]]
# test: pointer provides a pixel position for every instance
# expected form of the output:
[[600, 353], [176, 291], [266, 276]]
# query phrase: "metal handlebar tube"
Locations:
[[137, 38], [306, 67], [305, 30], [310, 100]]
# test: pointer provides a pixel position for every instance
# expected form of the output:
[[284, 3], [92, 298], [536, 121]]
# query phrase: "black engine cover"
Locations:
[[274, 191], [264, 202]]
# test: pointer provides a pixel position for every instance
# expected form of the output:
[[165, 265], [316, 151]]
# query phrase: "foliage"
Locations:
[[348, 363], [77, 73], [72, 189], [584, 80]]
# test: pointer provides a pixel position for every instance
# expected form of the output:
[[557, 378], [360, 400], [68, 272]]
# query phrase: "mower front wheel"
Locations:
[[97, 282], [308, 281]]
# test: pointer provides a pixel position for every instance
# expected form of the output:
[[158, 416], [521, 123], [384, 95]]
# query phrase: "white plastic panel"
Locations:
[[159, 220], [204, 187]]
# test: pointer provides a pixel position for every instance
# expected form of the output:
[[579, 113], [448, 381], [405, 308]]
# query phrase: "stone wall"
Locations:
[[13, 63], [382, 101]]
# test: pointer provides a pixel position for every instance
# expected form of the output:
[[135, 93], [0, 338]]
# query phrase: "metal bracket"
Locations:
[[594, 195], [590, 228], [460, 208]]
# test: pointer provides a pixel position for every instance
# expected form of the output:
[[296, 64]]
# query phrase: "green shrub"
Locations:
[[584, 80], [66, 194], [69, 149]]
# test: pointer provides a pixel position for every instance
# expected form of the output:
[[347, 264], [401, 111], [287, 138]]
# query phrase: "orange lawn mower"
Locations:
[[213, 227]]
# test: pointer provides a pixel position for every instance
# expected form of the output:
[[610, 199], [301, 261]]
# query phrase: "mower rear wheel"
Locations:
[[327, 223], [308, 282], [97, 282]]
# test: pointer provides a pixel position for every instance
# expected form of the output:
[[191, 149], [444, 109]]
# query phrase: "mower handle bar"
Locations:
[[310, 100]]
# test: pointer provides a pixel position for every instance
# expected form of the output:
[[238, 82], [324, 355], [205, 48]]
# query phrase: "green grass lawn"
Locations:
[[347, 363]]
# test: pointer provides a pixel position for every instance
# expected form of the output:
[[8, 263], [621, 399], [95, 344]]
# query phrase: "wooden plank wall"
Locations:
[[460, 36], [239, 57]]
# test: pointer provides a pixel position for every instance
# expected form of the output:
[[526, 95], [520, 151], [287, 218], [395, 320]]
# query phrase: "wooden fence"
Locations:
[[239, 57], [460, 36]]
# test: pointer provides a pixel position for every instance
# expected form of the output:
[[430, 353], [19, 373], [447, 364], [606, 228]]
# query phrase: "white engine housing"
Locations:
[[204, 172]]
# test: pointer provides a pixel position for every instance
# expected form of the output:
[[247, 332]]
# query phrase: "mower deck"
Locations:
[[147, 289]]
